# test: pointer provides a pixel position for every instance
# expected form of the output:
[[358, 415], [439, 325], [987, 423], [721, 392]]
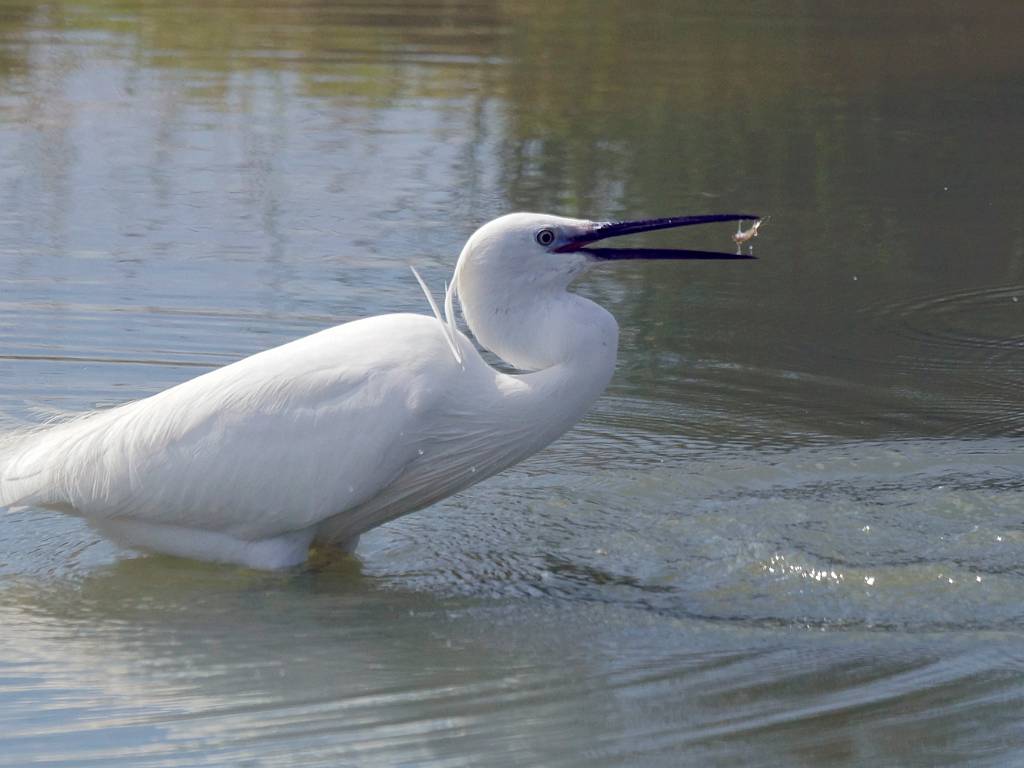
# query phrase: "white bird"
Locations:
[[328, 436]]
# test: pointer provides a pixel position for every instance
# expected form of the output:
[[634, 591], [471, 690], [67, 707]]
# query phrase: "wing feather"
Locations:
[[274, 442]]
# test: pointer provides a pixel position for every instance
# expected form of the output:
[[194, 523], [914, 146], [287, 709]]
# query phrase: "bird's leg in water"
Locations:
[[325, 556], [329, 551]]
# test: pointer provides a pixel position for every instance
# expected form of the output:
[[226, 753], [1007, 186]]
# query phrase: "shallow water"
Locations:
[[792, 531]]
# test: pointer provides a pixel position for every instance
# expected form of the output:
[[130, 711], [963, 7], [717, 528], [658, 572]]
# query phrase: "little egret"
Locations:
[[328, 436]]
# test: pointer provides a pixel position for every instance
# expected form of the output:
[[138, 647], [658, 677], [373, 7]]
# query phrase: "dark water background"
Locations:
[[792, 532]]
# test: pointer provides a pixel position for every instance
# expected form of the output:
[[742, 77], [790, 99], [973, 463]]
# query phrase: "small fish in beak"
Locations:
[[743, 235]]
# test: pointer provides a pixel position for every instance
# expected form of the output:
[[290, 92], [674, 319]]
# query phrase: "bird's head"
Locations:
[[540, 250], [520, 251], [525, 259]]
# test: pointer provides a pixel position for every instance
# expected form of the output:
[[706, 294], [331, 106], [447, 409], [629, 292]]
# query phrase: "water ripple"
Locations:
[[987, 321]]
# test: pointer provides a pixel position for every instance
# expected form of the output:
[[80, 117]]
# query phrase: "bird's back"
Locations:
[[275, 442]]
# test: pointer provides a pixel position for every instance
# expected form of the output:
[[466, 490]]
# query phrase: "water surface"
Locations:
[[791, 532]]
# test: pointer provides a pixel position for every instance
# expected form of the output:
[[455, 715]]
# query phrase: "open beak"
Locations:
[[606, 229]]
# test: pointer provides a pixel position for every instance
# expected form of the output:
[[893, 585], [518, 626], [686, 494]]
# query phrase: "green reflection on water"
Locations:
[[882, 141]]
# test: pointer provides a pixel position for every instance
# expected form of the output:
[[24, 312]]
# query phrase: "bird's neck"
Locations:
[[557, 397], [569, 344], [538, 328]]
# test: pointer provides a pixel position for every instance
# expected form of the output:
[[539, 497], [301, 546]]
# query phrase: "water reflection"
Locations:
[[249, 133], [789, 534], [189, 664]]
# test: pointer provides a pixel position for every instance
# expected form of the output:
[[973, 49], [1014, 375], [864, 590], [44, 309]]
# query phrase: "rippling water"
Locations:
[[792, 532]]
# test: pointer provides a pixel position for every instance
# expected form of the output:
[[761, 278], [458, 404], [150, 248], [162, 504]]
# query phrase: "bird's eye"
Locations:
[[546, 237]]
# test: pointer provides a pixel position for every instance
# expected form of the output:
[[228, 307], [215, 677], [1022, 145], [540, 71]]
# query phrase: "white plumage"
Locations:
[[330, 435]]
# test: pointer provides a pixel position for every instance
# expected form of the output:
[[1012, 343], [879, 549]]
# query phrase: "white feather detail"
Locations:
[[449, 298], [446, 328]]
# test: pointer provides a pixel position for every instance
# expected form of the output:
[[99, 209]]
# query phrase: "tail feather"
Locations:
[[19, 479], [29, 456]]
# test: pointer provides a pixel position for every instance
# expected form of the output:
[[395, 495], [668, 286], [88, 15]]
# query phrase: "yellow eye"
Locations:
[[546, 237]]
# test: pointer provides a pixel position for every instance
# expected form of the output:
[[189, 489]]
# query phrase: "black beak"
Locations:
[[616, 228]]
